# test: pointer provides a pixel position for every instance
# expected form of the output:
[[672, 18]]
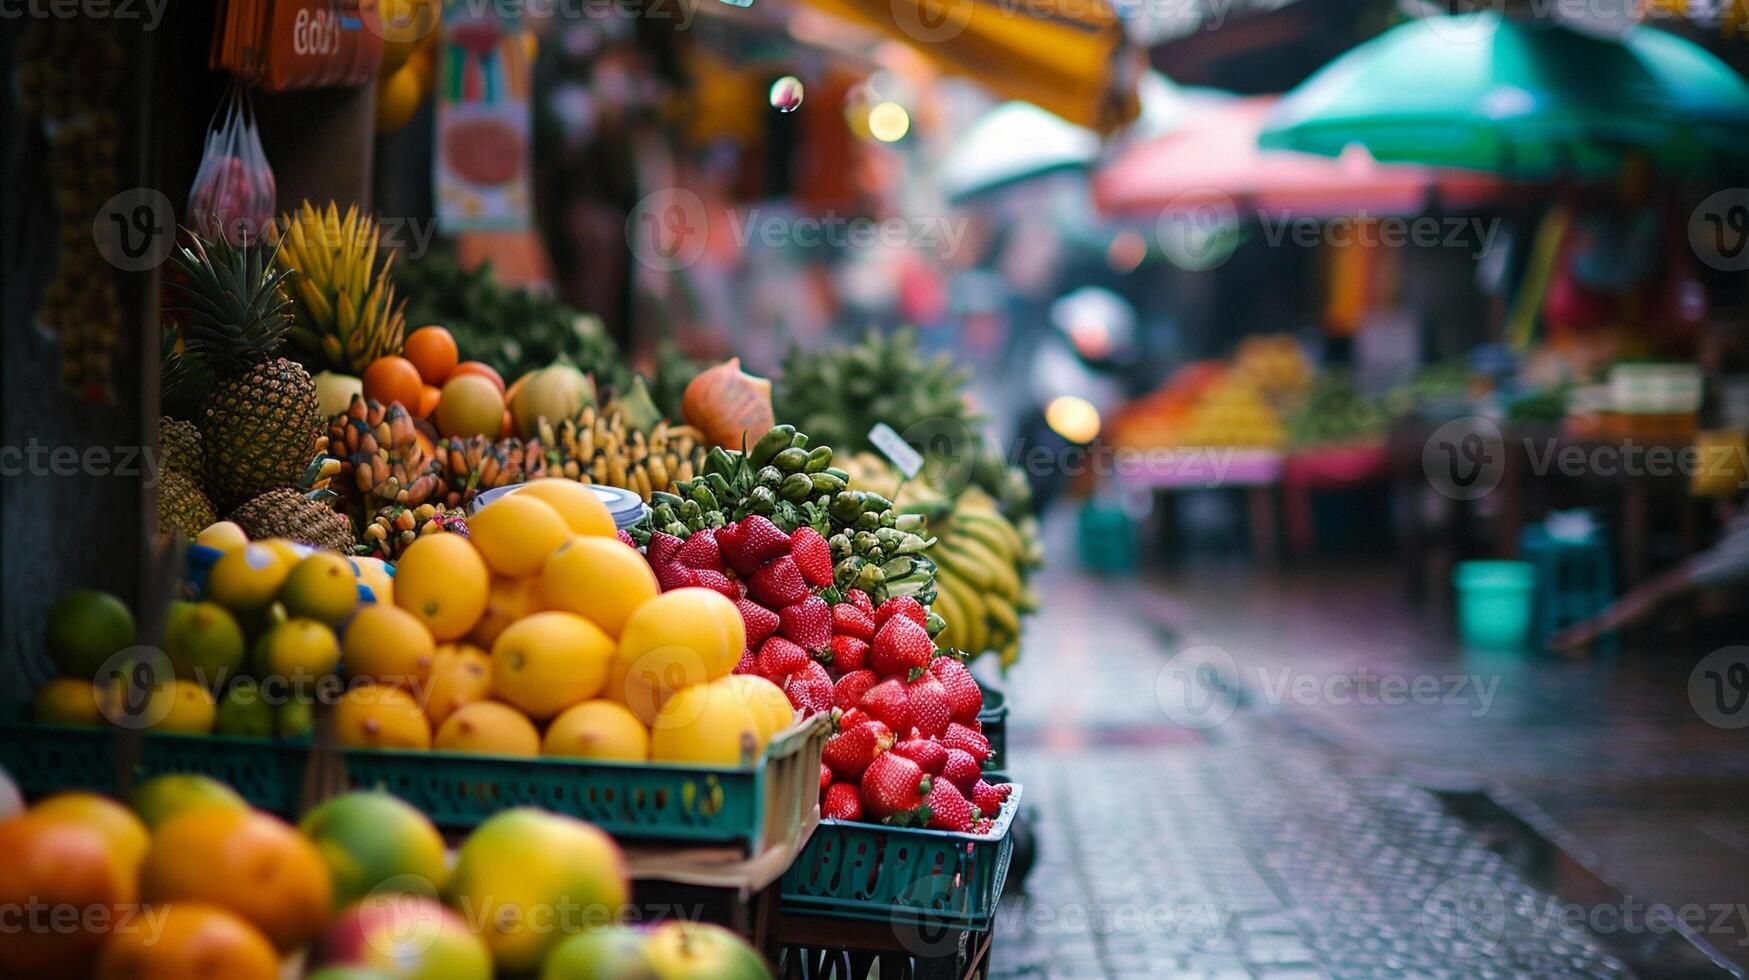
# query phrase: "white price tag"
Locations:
[[896, 449]]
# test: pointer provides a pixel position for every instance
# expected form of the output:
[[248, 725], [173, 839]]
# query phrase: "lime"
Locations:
[[162, 797], [204, 642], [298, 651], [322, 587], [243, 711], [85, 628]]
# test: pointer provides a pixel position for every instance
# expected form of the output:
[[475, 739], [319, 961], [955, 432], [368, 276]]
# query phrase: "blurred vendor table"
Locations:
[[1256, 472]]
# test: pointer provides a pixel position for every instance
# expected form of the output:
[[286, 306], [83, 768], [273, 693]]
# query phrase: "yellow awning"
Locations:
[[1066, 56]]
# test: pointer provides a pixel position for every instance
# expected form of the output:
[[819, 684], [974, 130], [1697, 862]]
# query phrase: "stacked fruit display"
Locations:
[[188, 881], [1334, 411], [1233, 411], [1275, 362]]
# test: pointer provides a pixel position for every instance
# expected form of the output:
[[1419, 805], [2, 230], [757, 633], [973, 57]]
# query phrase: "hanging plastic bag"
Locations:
[[233, 192]]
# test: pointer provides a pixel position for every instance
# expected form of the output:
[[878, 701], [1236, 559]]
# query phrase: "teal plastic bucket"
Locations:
[[1495, 600]]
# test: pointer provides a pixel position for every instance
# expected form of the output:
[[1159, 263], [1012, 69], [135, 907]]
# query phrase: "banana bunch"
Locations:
[[345, 311], [599, 447], [471, 465], [396, 526], [982, 562], [382, 460]]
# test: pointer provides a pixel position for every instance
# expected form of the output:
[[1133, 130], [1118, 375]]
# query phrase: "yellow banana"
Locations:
[[999, 573]]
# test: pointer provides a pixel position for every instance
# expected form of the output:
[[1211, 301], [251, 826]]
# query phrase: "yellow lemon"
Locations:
[[547, 662], [376, 716], [678, 639], [224, 535], [442, 580], [582, 510], [709, 725], [288, 551], [460, 674], [67, 701], [374, 573], [766, 698], [246, 579], [322, 586], [599, 579], [300, 651], [388, 644], [489, 728], [184, 707], [507, 600], [598, 729], [515, 533]]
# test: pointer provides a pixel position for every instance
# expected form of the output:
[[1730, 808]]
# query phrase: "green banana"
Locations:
[[776, 439]]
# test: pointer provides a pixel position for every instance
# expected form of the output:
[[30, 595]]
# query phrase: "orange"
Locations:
[[707, 724], [598, 729], [508, 600], [599, 579], [126, 836], [387, 644], [190, 941], [470, 405], [443, 580], [429, 398], [394, 379], [56, 863], [461, 674], [246, 861], [488, 728], [547, 662], [432, 350], [676, 640], [480, 368], [376, 716], [515, 533], [580, 506]]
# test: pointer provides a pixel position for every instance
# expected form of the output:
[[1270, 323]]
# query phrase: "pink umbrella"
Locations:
[[1213, 161]]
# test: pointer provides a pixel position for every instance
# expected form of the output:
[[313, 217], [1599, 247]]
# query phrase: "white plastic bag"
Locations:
[[233, 192]]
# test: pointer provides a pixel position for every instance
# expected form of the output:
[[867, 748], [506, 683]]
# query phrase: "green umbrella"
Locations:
[[1535, 100]]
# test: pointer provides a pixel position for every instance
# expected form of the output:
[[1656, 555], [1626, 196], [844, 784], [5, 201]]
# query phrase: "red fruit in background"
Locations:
[[974, 743], [904, 606], [962, 770], [928, 753], [813, 556], [848, 620], [825, 775], [893, 784], [625, 538], [887, 702], [860, 600], [929, 709], [808, 622], [848, 653], [779, 658], [809, 689], [986, 798], [777, 584], [848, 718], [849, 752], [758, 621], [848, 692], [662, 548], [700, 551], [948, 807], [843, 801], [748, 664], [964, 697], [718, 582], [900, 646], [674, 575], [755, 541]]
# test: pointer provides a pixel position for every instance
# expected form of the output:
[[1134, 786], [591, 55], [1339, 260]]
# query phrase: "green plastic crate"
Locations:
[[993, 717], [903, 875]]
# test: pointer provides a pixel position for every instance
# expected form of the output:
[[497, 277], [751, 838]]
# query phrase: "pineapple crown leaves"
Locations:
[[184, 377], [236, 312]]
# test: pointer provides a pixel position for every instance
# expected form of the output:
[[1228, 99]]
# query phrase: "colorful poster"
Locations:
[[484, 123]]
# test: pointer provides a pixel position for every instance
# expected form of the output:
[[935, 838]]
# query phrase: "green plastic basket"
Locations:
[[993, 718], [903, 875]]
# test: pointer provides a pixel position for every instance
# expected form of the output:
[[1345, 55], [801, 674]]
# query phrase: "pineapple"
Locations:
[[259, 418], [182, 506], [180, 446], [301, 513]]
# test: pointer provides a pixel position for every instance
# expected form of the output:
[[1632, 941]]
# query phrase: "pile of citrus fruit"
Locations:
[[188, 882]]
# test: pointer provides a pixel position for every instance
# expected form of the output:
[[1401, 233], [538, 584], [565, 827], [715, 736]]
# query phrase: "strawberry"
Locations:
[[809, 689], [728, 536], [825, 775], [808, 622], [843, 718], [662, 548], [887, 702], [674, 575], [718, 582], [778, 584], [756, 541], [849, 620], [983, 825], [900, 646], [903, 605], [758, 621], [893, 784], [843, 801], [964, 697], [948, 807], [851, 687], [748, 664], [928, 753], [625, 538], [812, 554], [701, 551], [850, 751], [848, 653], [974, 743], [860, 600], [962, 770], [779, 658], [929, 707], [986, 798]]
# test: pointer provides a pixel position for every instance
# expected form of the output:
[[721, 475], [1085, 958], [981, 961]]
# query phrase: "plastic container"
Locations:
[[994, 719], [198, 564], [1495, 601], [625, 505], [908, 875]]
